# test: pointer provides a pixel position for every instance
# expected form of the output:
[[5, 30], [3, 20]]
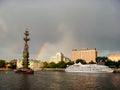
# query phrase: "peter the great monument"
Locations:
[[25, 62]]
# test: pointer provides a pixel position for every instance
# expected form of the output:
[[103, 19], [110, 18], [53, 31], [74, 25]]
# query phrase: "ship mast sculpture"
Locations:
[[25, 69], [26, 52]]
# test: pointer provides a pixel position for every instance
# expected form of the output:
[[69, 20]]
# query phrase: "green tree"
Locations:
[[110, 63], [12, 65], [103, 59], [70, 63], [52, 65], [2, 63], [91, 62], [45, 65], [62, 64], [81, 61], [117, 64]]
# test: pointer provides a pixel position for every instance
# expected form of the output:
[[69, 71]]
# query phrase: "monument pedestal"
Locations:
[[24, 71]]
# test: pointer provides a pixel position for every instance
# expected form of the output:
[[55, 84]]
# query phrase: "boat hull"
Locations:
[[91, 71], [24, 71]]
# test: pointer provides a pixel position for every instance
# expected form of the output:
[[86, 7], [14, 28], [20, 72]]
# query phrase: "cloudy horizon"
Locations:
[[59, 26]]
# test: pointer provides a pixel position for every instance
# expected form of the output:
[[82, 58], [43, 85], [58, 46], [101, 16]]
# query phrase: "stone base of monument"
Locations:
[[24, 71]]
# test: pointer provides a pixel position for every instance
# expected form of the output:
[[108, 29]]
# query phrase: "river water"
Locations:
[[49, 80]]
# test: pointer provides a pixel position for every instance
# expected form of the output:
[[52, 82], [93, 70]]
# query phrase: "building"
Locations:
[[114, 57], [33, 64], [85, 54], [59, 57]]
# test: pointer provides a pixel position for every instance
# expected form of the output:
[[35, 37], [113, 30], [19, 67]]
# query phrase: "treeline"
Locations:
[[99, 60], [2, 63], [10, 64], [60, 64], [63, 64], [102, 60], [108, 62]]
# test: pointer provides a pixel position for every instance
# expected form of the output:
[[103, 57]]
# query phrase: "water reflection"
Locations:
[[116, 80], [24, 82], [58, 81]]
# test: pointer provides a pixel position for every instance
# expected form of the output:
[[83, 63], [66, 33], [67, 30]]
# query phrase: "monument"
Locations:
[[25, 62], [26, 52]]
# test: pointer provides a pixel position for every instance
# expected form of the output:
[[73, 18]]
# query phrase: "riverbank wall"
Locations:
[[1, 69], [50, 69], [116, 70]]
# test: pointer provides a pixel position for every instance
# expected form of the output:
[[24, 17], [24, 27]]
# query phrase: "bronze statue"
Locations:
[[26, 52], [25, 62]]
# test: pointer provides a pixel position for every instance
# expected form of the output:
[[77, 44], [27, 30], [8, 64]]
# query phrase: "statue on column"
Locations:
[[25, 62], [26, 52]]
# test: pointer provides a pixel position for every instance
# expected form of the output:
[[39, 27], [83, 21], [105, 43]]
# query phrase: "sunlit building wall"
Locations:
[[114, 57], [33, 64], [59, 57], [85, 54], [53, 59]]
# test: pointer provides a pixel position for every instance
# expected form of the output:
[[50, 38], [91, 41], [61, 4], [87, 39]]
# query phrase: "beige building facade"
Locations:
[[59, 57], [114, 57], [85, 54], [33, 64]]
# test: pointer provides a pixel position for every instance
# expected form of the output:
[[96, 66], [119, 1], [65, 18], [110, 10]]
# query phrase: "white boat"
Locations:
[[88, 68]]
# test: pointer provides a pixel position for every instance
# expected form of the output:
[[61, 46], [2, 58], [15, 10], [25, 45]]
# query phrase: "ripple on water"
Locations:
[[58, 81]]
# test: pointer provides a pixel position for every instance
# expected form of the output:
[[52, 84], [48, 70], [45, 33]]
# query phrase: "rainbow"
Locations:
[[41, 51], [13, 50]]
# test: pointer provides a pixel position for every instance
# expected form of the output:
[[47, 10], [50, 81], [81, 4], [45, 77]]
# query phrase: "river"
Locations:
[[49, 80]]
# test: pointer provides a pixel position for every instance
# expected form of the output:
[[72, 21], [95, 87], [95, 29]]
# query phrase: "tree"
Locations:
[[2, 63], [45, 65], [81, 61], [61, 64], [12, 65], [91, 62], [52, 65], [101, 59], [70, 63], [117, 64], [110, 63]]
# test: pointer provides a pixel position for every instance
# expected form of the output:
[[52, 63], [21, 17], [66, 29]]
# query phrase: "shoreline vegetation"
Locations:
[[51, 69], [40, 69], [3, 69], [116, 70], [61, 65]]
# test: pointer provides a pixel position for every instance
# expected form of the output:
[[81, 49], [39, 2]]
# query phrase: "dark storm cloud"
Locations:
[[63, 25]]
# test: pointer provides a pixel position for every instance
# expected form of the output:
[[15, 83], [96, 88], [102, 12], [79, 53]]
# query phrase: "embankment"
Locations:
[[116, 70], [51, 69]]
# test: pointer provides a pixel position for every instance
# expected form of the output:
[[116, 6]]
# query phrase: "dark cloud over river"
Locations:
[[62, 24]]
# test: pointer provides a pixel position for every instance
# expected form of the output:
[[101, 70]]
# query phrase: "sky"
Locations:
[[59, 26]]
